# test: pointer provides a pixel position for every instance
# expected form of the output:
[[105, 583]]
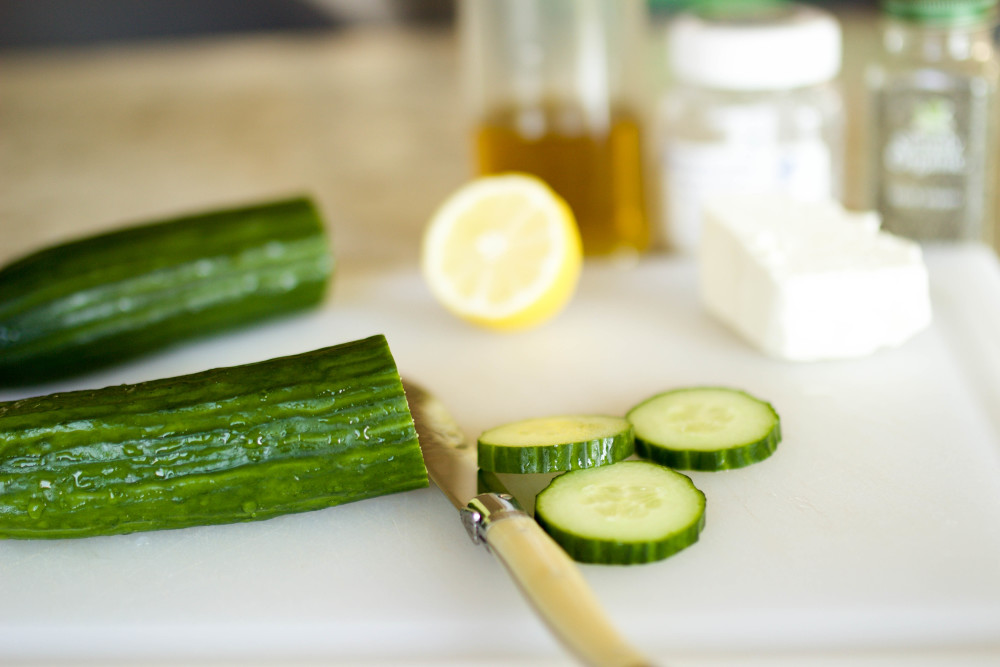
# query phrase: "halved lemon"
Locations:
[[503, 251]]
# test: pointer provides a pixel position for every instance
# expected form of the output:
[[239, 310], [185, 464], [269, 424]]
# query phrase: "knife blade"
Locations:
[[547, 577]]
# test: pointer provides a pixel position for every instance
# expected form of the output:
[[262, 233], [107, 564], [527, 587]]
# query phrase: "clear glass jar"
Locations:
[[933, 108], [753, 109], [554, 88]]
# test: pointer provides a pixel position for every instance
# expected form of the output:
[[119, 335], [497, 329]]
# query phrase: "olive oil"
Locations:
[[597, 167]]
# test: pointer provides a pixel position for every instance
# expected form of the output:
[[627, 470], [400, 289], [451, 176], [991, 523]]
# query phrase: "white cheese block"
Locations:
[[807, 281]]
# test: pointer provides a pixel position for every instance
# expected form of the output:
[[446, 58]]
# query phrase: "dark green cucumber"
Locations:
[[548, 444], [626, 513], [93, 302], [232, 444], [705, 428]]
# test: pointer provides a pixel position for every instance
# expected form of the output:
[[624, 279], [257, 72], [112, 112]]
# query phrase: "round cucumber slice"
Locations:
[[705, 428], [623, 514], [548, 444]]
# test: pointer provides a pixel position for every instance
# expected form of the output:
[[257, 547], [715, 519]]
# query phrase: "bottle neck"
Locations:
[[938, 43]]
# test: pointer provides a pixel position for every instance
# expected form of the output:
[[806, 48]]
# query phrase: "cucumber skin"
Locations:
[[226, 445], [542, 459], [716, 460], [711, 461], [610, 552], [597, 551], [97, 301]]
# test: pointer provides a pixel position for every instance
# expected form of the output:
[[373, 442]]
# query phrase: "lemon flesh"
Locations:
[[503, 252]]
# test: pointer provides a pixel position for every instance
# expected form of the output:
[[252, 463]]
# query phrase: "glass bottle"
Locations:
[[933, 106], [752, 108], [554, 89]]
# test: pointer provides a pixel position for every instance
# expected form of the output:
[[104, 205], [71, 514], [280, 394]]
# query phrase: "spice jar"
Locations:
[[933, 93], [752, 108]]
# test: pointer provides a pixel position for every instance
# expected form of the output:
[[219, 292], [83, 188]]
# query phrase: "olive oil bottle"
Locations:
[[554, 88], [598, 171]]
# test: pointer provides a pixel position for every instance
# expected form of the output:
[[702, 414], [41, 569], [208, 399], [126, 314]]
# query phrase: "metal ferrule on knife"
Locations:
[[486, 508]]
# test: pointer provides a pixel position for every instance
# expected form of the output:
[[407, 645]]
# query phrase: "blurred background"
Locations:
[[113, 111], [52, 23]]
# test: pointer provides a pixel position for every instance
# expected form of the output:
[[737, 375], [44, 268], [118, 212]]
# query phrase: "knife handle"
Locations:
[[556, 587]]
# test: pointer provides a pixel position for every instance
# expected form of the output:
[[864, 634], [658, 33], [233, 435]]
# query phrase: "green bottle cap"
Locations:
[[940, 11], [739, 10]]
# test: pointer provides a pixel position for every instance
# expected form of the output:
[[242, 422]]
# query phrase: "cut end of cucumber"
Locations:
[[705, 428], [549, 444], [627, 513]]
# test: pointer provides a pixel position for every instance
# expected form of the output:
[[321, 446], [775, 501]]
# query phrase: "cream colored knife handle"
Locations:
[[556, 587]]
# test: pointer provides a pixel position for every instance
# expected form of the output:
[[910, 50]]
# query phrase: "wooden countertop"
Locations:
[[366, 120]]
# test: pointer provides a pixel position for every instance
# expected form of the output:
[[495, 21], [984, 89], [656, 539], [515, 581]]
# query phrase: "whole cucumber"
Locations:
[[94, 302], [248, 442]]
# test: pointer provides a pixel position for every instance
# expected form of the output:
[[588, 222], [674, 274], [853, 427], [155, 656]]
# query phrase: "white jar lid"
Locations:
[[798, 47]]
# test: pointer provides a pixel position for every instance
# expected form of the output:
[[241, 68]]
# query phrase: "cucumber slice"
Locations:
[[705, 428], [623, 514], [547, 444]]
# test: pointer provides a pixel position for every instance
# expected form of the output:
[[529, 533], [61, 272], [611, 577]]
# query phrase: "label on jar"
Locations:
[[932, 158], [695, 171]]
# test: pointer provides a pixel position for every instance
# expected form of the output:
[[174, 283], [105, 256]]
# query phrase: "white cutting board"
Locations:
[[873, 533]]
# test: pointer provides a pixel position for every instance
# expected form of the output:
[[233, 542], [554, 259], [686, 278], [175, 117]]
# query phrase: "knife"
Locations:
[[545, 574]]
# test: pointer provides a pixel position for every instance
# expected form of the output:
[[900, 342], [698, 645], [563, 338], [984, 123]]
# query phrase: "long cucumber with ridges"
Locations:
[[97, 301], [231, 444]]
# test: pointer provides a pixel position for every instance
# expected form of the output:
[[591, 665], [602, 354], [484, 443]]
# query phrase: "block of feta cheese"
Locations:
[[810, 281]]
